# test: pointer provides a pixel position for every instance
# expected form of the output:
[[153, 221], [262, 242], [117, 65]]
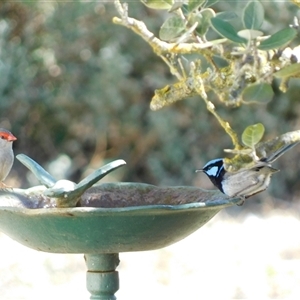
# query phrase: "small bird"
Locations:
[[6, 154], [243, 183]]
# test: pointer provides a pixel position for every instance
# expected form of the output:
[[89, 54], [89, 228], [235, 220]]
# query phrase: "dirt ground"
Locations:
[[231, 257]]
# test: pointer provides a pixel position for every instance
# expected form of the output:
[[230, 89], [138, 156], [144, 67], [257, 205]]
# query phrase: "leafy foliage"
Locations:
[[253, 134], [172, 28], [253, 15], [226, 30], [258, 93]]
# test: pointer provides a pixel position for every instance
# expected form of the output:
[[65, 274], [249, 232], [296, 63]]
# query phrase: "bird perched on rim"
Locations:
[[254, 177], [6, 154], [243, 183]]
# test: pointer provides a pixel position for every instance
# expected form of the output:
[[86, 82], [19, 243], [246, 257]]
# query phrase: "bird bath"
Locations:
[[109, 218], [102, 232]]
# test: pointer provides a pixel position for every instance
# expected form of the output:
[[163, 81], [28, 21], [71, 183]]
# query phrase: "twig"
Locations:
[[158, 46]]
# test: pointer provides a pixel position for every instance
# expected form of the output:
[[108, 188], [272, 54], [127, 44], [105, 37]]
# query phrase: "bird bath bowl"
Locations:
[[103, 230], [113, 218], [103, 220]]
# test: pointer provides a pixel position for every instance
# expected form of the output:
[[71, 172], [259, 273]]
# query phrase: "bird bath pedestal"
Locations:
[[119, 217]]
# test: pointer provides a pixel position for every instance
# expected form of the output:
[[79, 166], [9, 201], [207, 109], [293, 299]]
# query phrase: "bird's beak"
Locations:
[[200, 170], [11, 138], [273, 170]]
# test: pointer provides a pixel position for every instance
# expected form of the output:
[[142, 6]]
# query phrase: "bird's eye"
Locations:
[[2, 137]]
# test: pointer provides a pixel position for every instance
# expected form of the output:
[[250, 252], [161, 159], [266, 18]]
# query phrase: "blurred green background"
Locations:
[[75, 90]]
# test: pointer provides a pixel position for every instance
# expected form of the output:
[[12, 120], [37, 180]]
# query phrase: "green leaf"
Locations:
[[253, 134], [258, 92], [194, 4], [226, 30], [172, 28], [158, 4], [289, 71], [226, 15], [203, 19], [278, 39], [253, 15]]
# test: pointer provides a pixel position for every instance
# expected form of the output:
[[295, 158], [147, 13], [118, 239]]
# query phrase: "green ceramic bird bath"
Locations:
[[103, 232], [108, 219]]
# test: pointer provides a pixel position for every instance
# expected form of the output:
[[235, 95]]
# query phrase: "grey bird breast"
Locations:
[[7, 159]]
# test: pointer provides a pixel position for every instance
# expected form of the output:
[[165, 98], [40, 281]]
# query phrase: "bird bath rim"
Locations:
[[106, 230], [222, 203]]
